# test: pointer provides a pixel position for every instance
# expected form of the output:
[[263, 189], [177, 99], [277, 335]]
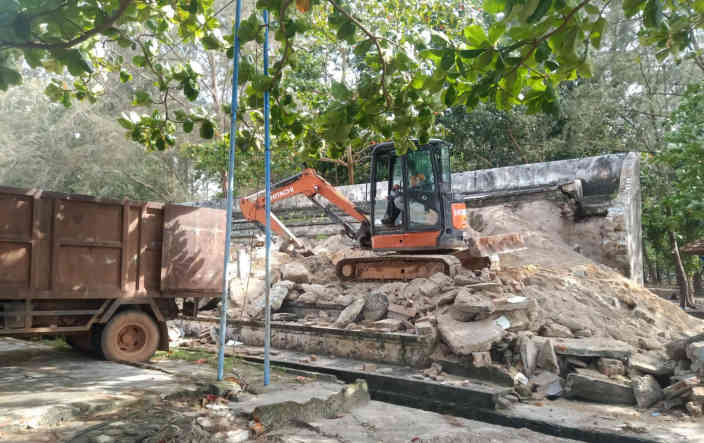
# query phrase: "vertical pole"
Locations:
[[230, 188], [267, 178]]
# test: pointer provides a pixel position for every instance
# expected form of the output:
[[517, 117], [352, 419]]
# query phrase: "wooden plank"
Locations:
[[141, 247], [36, 235], [54, 246], [8, 239], [125, 240], [57, 313], [91, 244]]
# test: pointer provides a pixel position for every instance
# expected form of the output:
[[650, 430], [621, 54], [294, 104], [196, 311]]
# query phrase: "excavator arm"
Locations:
[[310, 184]]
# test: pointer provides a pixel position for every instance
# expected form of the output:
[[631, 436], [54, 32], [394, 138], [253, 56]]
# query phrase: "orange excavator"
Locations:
[[415, 222]]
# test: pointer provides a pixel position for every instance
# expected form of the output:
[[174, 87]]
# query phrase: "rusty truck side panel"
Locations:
[[66, 260]]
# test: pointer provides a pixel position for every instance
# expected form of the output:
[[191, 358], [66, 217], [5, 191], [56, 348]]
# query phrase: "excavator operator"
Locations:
[[396, 200]]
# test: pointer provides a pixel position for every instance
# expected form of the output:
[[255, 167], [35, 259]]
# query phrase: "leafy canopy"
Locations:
[[407, 67]]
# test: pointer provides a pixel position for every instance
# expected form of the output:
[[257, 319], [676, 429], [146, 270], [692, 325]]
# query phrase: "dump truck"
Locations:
[[106, 274]]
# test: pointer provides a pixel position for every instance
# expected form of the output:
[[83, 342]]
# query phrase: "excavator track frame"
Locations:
[[396, 267]]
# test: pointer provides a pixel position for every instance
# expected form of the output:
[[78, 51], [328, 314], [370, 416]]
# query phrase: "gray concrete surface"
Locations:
[[41, 386], [382, 422]]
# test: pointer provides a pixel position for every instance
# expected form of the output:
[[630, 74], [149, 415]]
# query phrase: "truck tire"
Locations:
[[130, 336]]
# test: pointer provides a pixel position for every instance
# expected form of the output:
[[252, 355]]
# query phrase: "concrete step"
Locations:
[[280, 405]]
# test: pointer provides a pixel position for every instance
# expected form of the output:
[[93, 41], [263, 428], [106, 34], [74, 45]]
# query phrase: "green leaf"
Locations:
[[125, 123], [346, 32], [652, 15], [450, 96], [540, 11], [363, 47], [125, 76], [470, 53], [542, 53], [592, 9], [597, 32], [475, 36], [188, 126], [9, 77], [76, 61], [448, 60], [494, 6], [210, 42], [141, 98], [631, 7], [496, 31], [340, 91], [207, 129]]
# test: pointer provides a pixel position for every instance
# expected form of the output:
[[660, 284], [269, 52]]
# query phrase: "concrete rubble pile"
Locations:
[[579, 330]]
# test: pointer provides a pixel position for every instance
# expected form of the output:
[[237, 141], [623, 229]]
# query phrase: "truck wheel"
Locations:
[[81, 342], [130, 336]]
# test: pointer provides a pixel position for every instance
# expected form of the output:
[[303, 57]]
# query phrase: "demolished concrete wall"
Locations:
[[605, 226]]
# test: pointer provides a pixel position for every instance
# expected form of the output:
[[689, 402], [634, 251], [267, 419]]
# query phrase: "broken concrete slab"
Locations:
[[695, 352], [529, 354], [515, 303], [677, 349], [442, 280], [697, 394], [473, 303], [547, 359], [466, 338], [305, 402], [651, 363], [420, 287], [350, 313], [610, 367], [552, 329], [388, 324], [375, 307], [295, 272], [547, 383], [647, 391], [592, 347], [486, 286], [681, 388], [480, 359], [399, 312], [593, 386]]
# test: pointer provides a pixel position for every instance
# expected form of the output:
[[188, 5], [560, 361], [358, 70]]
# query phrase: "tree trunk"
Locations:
[[682, 280], [350, 166]]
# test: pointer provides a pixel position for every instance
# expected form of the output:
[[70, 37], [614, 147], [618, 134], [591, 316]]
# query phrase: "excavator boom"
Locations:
[[310, 184]]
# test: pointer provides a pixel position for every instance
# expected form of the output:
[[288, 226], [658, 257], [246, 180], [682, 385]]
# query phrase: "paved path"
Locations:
[[50, 395]]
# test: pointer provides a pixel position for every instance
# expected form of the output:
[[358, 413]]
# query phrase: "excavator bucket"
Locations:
[[483, 252], [495, 244]]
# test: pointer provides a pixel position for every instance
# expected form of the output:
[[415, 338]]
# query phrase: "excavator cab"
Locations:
[[412, 206]]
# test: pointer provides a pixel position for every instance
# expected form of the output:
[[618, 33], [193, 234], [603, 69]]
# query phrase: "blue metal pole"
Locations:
[[267, 177], [230, 188]]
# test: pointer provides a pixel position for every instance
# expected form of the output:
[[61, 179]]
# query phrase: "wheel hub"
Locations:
[[131, 338]]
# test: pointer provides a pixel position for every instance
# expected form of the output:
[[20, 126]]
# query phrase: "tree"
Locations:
[[509, 53]]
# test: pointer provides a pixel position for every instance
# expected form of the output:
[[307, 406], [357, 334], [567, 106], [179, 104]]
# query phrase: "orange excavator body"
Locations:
[[417, 214]]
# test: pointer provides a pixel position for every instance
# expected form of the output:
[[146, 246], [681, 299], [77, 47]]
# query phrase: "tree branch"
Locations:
[[333, 160], [537, 42], [107, 24], [374, 39]]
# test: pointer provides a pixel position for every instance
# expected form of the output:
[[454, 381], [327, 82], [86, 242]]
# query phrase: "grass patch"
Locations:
[[56, 343]]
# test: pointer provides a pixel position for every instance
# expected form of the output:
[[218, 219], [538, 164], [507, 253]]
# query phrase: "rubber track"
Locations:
[[451, 265]]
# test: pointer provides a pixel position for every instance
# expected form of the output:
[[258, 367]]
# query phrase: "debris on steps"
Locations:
[[549, 322]]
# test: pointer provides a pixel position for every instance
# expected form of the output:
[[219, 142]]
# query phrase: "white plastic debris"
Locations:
[[503, 322]]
